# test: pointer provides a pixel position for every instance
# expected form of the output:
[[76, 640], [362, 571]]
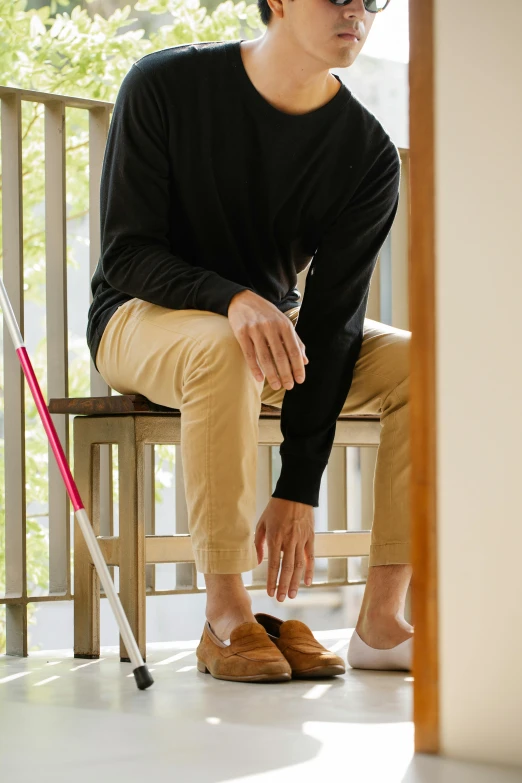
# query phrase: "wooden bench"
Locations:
[[136, 424]]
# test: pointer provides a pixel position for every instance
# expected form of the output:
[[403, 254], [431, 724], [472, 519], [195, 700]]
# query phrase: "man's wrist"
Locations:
[[299, 479], [287, 500], [236, 297]]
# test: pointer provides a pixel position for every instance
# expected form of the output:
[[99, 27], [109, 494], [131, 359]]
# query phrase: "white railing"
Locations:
[[388, 302]]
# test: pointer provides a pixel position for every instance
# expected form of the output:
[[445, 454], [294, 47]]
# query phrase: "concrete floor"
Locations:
[[63, 719]]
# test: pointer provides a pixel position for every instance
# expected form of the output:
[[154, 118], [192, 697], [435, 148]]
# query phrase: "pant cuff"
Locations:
[[225, 561], [395, 553]]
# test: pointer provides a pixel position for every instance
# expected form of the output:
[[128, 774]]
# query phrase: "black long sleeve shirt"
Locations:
[[207, 190]]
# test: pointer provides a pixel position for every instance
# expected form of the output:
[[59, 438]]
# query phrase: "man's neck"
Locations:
[[277, 74]]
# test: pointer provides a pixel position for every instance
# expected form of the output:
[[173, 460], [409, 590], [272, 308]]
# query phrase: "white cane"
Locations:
[[141, 672]]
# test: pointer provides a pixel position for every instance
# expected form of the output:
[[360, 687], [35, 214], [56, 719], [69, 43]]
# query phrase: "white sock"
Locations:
[[362, 656], [227, 641]]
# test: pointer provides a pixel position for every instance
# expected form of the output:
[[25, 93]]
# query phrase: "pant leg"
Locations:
[[191, 360], [380, 386]]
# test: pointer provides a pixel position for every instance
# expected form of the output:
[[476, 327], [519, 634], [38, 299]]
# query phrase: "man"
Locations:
[[228, 167]]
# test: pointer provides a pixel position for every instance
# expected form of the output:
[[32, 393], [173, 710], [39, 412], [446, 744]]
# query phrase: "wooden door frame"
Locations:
[[421, 271]]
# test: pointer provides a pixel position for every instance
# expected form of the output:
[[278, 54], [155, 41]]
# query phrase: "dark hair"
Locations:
[[265, 11]]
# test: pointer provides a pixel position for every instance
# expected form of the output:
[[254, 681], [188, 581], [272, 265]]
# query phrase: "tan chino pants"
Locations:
[[191, 360]]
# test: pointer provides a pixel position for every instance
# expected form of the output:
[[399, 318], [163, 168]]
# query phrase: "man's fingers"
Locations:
[[279, 354], [249, 352], [299, 562], [296, 354], [274, 561], [279, 346], [259, 539], [287, 570], [289, 354], [266, 359], [310, 561]]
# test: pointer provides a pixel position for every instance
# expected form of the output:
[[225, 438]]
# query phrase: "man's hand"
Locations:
[[263, 330], [288, 527]]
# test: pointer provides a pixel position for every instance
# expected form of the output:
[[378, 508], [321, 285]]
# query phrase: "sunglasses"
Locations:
[[372, 6]]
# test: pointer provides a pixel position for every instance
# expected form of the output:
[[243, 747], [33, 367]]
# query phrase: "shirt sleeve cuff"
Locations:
[[216, 292], [299, 480]]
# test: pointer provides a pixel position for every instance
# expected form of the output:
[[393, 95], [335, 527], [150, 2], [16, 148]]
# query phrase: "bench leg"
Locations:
[[86, 581], [132, 536]]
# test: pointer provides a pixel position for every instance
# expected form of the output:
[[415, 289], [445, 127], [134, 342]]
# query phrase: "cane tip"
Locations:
[[143, 677]]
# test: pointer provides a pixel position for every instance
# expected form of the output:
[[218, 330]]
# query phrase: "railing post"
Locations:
[[186, 574], [57, 342], [98, 129], [14, 423], [337, 507]]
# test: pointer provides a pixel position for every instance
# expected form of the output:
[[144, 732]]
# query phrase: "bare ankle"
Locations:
[[223, 622], [381, 621], [228, 600], [383, 631]]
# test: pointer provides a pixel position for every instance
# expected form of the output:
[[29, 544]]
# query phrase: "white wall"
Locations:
[[478, 115]]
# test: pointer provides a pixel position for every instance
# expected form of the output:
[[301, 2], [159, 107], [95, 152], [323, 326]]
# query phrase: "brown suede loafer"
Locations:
[[250, 657], [306, 656]]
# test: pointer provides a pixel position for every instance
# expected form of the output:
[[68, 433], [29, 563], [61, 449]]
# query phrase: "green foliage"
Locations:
[[74, 54]]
